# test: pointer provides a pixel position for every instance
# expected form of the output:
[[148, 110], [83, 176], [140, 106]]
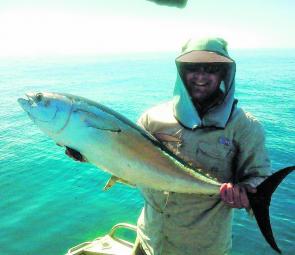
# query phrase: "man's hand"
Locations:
[[235, 196], [75, 155]]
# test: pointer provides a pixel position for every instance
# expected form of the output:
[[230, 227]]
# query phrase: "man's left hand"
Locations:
[[235, 196]]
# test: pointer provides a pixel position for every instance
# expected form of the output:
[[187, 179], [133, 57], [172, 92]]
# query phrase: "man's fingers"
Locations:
[[223, 188], [226, 193], [76, 155], [235, 196], [70, 155], [229, 194]]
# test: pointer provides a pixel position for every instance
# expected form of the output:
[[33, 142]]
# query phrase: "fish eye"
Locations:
[[38, 97]]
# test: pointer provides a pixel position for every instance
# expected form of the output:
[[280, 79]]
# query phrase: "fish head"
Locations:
[[49, 111]]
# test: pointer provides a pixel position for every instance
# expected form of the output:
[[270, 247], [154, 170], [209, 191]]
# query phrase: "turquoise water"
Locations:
[[49, 203]]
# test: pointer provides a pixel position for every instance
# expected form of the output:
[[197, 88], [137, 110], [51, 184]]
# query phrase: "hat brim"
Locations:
[[197, 56]]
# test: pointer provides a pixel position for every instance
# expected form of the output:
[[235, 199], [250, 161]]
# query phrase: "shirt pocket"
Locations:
[[217, 159]]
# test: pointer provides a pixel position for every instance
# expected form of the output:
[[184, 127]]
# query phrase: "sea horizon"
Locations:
[[49, 203]]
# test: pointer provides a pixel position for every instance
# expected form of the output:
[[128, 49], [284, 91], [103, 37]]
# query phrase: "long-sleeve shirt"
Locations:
[[179, 224]]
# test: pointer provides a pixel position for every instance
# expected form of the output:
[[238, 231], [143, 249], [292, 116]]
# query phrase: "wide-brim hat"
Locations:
[[202, 56]]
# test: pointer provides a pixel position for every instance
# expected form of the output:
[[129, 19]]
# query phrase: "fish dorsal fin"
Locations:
[[97, 121]]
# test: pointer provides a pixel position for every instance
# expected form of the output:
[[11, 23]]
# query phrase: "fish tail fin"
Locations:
[[260, 202]]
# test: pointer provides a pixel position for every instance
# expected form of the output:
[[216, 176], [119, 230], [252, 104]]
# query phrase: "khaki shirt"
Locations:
[[178, 224]]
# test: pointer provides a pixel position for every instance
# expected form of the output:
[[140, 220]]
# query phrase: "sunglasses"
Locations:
[[211, 68]]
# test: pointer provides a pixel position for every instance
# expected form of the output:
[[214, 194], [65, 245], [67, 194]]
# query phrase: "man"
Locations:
[[203, 126]]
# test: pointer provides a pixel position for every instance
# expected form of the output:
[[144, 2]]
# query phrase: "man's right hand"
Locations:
[[235, 196], [75, 155]]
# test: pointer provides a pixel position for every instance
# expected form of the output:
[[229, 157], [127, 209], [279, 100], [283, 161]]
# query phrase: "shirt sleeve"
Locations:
[[253, 164], [143, 121]]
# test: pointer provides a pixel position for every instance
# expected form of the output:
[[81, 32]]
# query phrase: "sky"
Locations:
[[79, 27]]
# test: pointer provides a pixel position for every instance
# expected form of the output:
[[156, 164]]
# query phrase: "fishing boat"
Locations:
[[106, 245]]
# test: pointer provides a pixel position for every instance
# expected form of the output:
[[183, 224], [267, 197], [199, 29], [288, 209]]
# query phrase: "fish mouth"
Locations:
[[31, 97], [26, 104], [29, 103], [32, 104]]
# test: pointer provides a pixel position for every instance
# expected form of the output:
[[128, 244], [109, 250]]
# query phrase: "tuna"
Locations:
[[116, 145]]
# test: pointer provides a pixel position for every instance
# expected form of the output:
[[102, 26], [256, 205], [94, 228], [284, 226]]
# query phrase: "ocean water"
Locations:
[[49, 203]]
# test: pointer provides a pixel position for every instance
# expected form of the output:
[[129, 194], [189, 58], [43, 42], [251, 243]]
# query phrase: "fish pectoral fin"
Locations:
[[98, 122], [113, 180], [167, 137]]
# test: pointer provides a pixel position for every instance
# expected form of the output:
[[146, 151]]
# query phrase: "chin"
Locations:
[[198, 98]]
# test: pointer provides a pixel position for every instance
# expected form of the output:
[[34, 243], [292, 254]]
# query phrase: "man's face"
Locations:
[[202, 81]]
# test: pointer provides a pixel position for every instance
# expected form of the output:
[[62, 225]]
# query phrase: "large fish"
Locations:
[[116, 145]]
